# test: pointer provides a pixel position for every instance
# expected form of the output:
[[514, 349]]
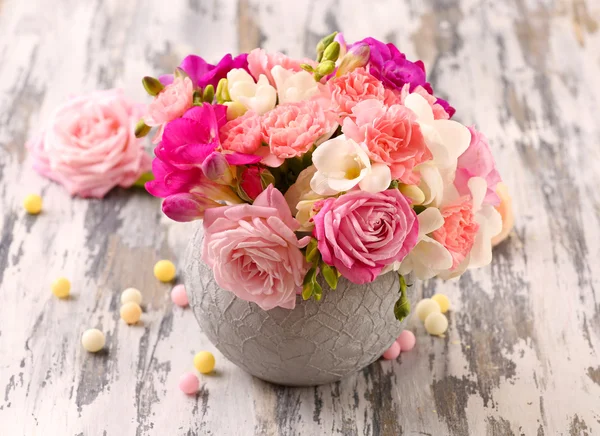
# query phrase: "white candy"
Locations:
[[427, 306], [131, 295], [436, 324], [93, 340]]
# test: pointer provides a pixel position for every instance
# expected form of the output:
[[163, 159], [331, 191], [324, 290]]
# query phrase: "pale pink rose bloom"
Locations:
[[170, 103], [478, 161], [439, 112], [292, 129], [89, 145], [457, 234], [350, 89], [261, 62], [254, 251], [242, 134], [391, 136]]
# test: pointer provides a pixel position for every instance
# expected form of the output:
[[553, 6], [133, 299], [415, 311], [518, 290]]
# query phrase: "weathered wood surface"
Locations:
[[522, 356]]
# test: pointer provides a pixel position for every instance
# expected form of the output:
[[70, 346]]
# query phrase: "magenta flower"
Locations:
[[361, 233], [203, 74], [390, 66]]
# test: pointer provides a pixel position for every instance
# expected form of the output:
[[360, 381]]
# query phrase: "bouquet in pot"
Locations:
[[344, 166]]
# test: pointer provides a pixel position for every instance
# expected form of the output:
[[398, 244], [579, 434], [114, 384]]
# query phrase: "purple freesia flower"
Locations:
[[203, 74], [390, 66]]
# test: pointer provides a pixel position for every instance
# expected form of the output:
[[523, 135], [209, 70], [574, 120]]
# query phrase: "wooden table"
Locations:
[[522, 356]]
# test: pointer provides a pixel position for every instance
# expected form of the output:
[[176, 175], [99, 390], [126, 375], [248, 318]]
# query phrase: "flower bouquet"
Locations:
[[314, 179]]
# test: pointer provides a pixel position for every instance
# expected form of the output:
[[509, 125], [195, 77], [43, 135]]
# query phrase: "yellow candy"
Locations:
[[61, 287], [131, 295], [92, 340], [443, 301], [164, 270], [33, 204], [425, 307], [131, 312], [436, 324], [204, 361]]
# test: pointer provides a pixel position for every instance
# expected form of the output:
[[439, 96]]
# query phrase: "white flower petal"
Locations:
[[429, 221], [377, 180], [431, 184], [420, 107], [490, 224], [454, 136], [478, 188], [320, 184]]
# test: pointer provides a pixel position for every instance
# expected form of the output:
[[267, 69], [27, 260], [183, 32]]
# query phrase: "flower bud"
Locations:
[[322, 45], [216, 168], [180, 73], [332, 52], [152, 85], [141, 129], [357, 57], [197, 98], [222, 92], [413, 192], [325, 68], [307, 67], [209, 94], [235, 109]]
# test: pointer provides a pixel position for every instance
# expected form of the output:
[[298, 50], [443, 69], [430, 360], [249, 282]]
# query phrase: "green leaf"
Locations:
[[308, 285], [141, 129], [146, 177], [311, 250], [402, 306], [418, 209], [307, 291], [330, 274], [318, 291]]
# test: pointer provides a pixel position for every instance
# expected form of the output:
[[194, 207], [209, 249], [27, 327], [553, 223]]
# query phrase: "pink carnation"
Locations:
[[477, 161], [261, 62], [89, 145], [254, 251], [457, 234], [361, 233], [392, 137], [348, 90], [170, 103], [242, 134], [292, 129], [439, 113]]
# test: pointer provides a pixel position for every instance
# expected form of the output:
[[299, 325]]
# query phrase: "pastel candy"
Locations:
[[204, 361], [92, 340], [443, 301], [131, 295], [164, 270], [393, 352], [425, 307], [436, 324], [178, 296], [189, 383], [406, 340]]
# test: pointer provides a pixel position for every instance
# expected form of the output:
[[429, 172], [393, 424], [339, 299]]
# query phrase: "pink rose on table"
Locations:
[[254, 251], [292, 129], [392, 137], [477, 161], [89, 145], [361, 233], [457, 234], [170, 103]]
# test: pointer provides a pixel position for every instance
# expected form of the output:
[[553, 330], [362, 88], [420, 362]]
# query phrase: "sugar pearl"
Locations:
[[92, 340], [189, 383], [164, 270], [204, 361], [406, 340], [425, 307], [131, 312], [436, 324], [178, 296], [33, 204], [61, 287], [131, 295], [443, 301], [393, 352]]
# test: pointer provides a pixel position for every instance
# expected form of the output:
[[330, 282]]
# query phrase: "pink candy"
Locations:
[[178, 296], [406, 340], [393, 352], [189, 383]]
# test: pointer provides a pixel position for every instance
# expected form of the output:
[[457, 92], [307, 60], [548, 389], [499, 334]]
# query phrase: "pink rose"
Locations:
[[361, 233], [439, 113], [261, 62], [254, 251], [457, 234], [89, 145], [170, 103], [292, 129], [348, 90], [242, 134], [392, 137], [477, 161]]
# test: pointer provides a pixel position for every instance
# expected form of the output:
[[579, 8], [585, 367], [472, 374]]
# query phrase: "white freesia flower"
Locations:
[[259, 97], [293, 86], [342, 164], [446, 139]]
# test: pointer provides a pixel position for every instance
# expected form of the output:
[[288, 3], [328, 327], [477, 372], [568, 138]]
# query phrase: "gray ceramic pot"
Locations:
[[313, 344]]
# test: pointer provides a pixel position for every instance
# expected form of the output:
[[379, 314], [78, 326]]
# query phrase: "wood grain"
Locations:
[[522, 353]]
